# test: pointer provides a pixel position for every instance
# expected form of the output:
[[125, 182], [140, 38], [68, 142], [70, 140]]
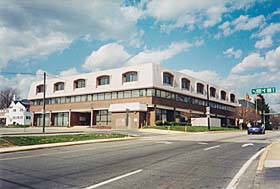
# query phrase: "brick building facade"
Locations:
[[145, 92]]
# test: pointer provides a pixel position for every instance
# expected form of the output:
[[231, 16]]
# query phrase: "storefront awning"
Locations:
[[122, 107]]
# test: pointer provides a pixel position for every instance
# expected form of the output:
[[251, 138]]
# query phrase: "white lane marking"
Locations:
[[202, 143], [212, 147], [245, 145], [164, 142], [113, 179], [234, 182]]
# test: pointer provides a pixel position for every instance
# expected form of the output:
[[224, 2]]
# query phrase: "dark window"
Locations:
[[200, 88], [167, 78], [232, 98], [103, 117], [223, 95], [185, 84], [59, 86], [103, 80], [130, 76], [40, 89], [212, 92], [80, 83]]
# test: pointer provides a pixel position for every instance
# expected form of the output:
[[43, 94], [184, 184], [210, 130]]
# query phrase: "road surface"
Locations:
[[164, 161]]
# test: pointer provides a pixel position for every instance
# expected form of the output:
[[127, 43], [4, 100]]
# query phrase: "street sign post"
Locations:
[[264, 90]]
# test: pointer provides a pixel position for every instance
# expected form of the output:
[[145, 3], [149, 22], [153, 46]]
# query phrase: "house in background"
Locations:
[[3, 117], [18, 113]]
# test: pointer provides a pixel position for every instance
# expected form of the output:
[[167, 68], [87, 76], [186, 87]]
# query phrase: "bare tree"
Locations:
[[247, 114], [6, 97]]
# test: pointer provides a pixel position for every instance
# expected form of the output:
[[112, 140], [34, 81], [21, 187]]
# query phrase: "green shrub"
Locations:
[[161, 123]]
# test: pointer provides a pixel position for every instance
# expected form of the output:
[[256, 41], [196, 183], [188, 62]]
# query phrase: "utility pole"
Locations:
[[44, 103], [208, 108], [127, 120]]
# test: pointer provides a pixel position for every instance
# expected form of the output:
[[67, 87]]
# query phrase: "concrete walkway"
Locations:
[[160, 131], [268, 170], [272, 159]]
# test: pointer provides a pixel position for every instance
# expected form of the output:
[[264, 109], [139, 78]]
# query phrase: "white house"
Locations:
[[18, 114]]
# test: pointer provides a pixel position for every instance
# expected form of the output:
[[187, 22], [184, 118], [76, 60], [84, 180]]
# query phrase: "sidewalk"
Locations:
[[272, 159], [268, 171], [160, 131]]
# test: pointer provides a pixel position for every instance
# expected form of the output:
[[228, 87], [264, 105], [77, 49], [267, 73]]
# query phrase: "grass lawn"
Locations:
[[31, 140], [192, 128], [4, 143]]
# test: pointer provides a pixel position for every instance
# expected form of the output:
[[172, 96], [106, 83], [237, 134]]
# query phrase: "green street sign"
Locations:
[[266, 90]]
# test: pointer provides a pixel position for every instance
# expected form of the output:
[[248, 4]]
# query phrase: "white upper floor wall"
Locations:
[[148, 76]]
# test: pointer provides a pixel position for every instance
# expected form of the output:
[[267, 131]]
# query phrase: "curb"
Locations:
[[263, 157], [49, 133], [53, 145]]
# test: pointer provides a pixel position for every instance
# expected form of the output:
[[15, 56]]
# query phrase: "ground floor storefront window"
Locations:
[[38, 119], [103, 117], [164, 115], [61, 119]]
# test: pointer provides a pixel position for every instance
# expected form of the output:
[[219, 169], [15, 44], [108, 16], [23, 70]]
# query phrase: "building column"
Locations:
[[50, 119], [174, 114], [91, 117], [32, 119], [69, 121]]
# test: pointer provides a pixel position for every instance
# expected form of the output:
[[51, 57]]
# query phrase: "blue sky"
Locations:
[[230, 43]]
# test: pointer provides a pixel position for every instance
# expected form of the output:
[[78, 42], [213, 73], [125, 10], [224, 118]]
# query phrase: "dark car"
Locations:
[[256, 129]]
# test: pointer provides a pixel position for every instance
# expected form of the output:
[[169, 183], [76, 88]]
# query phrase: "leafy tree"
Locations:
[[263, 107], [6, 97]]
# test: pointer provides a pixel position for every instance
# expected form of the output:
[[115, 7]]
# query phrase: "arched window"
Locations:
[[59, 86], [40, 88], [200, 88], [167, 78], [130, 76], [212, 92], [185, 84], [232, 98], [103, 80], [79, 83], [223, 95]]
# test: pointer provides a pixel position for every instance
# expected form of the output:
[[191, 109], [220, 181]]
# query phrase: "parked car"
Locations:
[[256, 129]]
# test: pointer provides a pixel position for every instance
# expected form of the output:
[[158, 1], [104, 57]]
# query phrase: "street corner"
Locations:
[[270, 158]]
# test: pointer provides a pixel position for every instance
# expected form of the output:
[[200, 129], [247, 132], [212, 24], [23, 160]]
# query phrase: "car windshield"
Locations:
[[256, 126]]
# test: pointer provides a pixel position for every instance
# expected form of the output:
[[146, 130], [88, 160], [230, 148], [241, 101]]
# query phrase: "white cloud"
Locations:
[[70, 71], [276, 12], [158, 56], [21, 82], [264, 43], [206, 75], [242, 23], [199, 42], [270, 61], [269, 30], [231, 53], [114, 55], [181, 13], [250, 62], [31, 30], [108, 56]]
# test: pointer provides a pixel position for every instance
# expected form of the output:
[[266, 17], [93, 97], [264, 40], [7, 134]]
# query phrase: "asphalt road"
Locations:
[[166, 161]]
